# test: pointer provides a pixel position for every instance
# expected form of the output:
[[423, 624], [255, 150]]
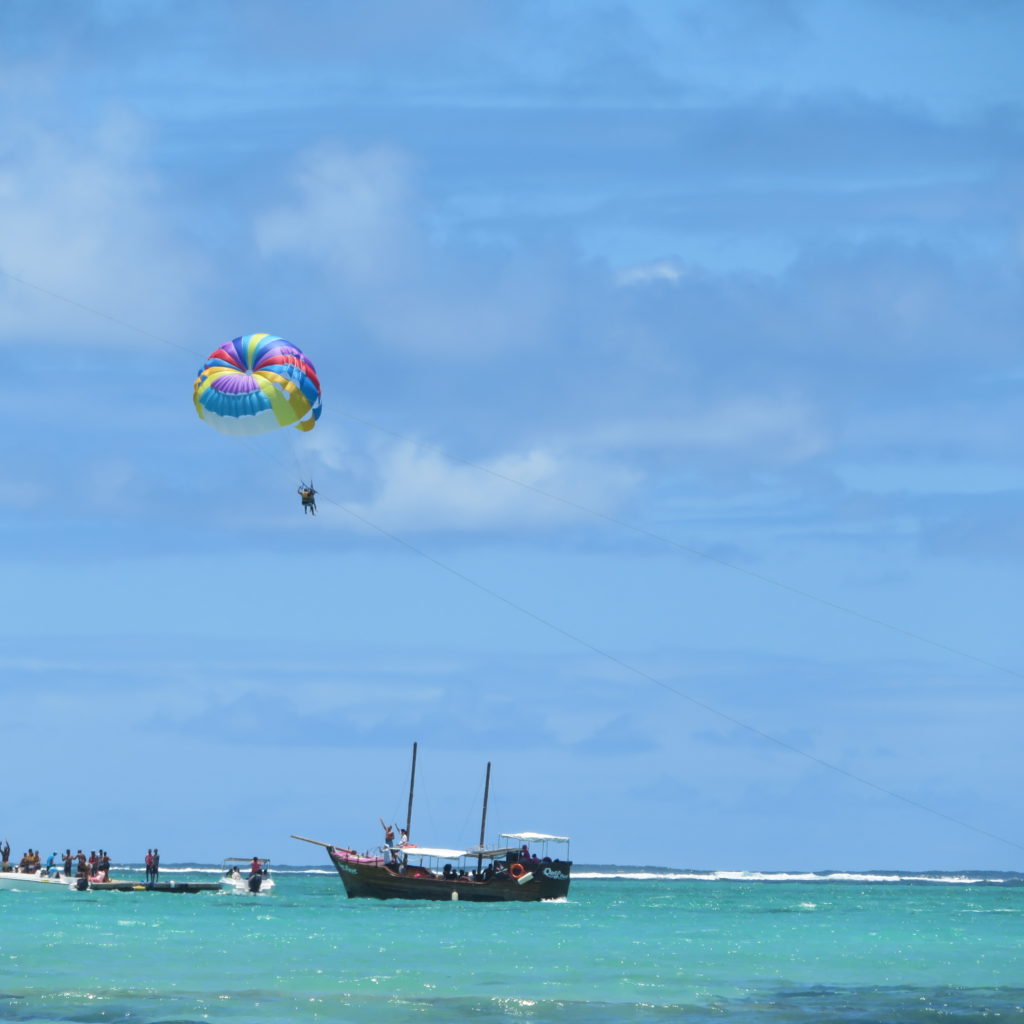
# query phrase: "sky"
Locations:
[[670, 452]]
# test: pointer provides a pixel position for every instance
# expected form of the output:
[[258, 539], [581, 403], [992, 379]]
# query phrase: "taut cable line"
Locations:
[[643, 531], [634, 670], [99, 313], [688, 549]]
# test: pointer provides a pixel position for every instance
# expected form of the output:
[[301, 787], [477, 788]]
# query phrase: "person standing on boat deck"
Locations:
[[389, 842], [155, 872], [5, 855], [68, 859], [149, 866], [255, 868]]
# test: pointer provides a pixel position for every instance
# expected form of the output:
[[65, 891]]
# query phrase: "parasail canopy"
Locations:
[[257, 383]]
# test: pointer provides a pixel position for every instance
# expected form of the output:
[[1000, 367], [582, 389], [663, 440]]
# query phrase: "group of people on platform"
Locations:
[[152, 866], [95, 867]]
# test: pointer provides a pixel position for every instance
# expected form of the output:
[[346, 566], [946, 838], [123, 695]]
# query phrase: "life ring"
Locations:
[[517, 871]]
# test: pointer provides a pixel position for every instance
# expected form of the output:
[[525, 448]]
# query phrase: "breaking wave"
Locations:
[[858, 877]]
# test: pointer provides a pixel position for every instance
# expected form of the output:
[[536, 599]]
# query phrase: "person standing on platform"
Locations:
[[156, 865], [149, 866]]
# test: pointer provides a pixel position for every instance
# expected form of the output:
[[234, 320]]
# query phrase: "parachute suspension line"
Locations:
[[725, 716], [299, 460], [265, 456], [678, 546], [99, 313]]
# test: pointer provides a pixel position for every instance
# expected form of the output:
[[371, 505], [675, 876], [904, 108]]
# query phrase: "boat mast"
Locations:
[[483, 819], [412, 784]]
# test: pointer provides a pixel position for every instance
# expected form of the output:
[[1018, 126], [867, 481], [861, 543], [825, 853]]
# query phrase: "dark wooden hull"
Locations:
[[363, 879]]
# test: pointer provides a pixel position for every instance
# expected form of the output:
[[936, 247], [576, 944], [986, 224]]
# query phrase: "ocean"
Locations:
[[628, 945]]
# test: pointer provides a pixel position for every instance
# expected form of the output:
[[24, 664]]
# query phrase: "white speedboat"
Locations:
[[37, 881], [239, 875]]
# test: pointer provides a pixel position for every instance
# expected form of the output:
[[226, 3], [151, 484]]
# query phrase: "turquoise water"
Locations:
[[648, 948]]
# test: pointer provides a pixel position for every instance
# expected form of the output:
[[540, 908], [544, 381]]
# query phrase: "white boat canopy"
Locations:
[[440, 853], [534, 837], [430, 851]]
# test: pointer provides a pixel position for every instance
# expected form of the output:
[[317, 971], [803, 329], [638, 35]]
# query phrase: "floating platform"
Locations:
[[126, 886]]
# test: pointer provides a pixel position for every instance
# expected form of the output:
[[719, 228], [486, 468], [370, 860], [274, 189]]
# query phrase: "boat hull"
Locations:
[[367, 878], [241, 885], [21, 882]]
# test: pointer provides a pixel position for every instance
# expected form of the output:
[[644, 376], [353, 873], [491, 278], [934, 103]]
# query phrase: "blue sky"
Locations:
[[670, 456]]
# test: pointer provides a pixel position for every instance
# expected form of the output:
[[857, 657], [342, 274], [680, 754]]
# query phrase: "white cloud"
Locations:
[[774, 430], [354, 211], [422, 490], [23, 494], [359, 219], [326, 446], [669, 271], [83, 222]]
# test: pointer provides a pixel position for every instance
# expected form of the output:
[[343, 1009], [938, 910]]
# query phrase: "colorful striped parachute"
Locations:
[[256, 383]]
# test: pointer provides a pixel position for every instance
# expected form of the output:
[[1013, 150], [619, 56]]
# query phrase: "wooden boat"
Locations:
[[417, 873], [513, 873]]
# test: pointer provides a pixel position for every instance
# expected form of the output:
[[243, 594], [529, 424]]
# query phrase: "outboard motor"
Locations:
[[255, 883]]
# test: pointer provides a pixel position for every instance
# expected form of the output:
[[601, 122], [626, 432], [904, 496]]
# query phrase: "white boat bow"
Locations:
[[18, 881]]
